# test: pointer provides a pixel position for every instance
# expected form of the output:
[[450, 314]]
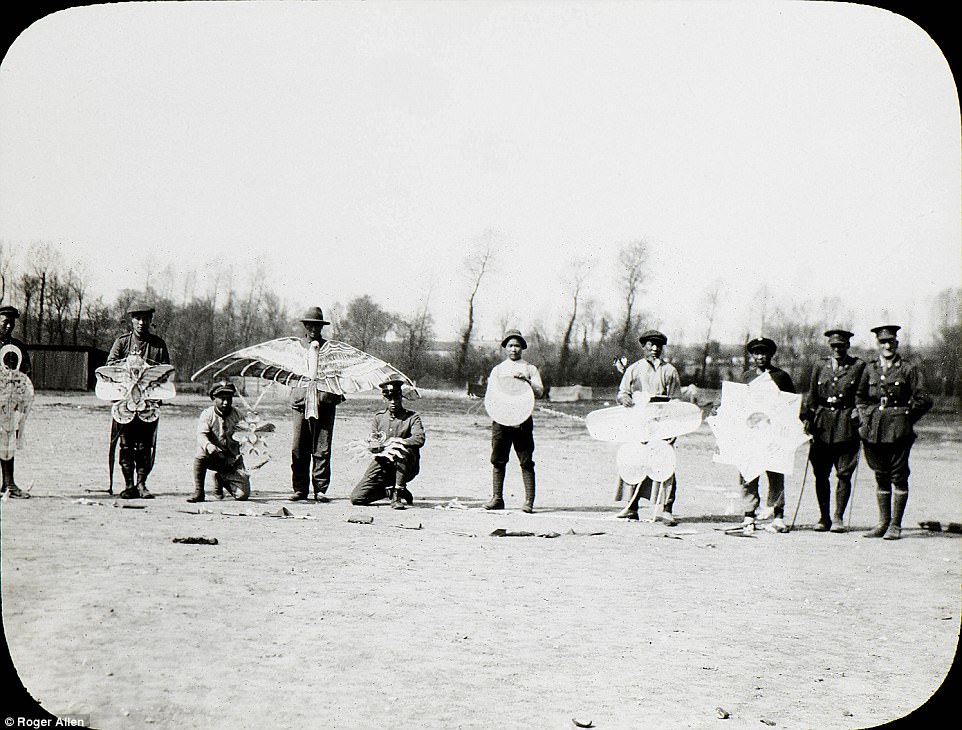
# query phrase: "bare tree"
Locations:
[[578, 272], [476, 265], [632, 271], [711, 299]]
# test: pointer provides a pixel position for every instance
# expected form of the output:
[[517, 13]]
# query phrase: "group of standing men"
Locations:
[[850, 404]]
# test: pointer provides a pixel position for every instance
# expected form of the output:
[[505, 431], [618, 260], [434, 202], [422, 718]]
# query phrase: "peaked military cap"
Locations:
[[763, 344], [222, 386], [886, 331], [653, 336], [139, 307], [514, 334], [839, 336], [314, 314], [10, 311], [391, 386]]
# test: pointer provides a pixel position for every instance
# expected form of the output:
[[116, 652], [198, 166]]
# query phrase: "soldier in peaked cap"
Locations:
[[137, 439], [312, 437], [832, 420], [17, 358], [521, 437], [890, 398], [396, 438], [762, 350], [650, 374], [217, 450]]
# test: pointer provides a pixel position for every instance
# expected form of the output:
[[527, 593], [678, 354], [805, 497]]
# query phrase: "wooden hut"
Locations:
[[65, 367]]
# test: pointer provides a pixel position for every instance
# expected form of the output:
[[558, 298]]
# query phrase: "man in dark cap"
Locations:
[[311, 449], [891, 397], [396, 438], [521, 437], [762, 350], [137, 439], [8, 320], [651, 374], [217, 450], [833, 424]]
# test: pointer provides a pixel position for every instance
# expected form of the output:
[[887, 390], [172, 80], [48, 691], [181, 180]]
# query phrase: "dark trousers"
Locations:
[[520, 437], [311, 450], [843, 457], [890, 462], [382, 475], [136, 442], [776, 493]]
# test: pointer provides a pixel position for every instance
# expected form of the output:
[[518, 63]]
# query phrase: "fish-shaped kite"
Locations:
[[331, 367]]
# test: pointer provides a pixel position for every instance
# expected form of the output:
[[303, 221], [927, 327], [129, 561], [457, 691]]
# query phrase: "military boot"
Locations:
[[900, 498], [884, 499], [497, 489], [527, 477], [200, 475]]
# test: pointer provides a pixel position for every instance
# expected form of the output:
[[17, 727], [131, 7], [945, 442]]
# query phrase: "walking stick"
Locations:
[[851, 499], [802, 490], [658, 501]]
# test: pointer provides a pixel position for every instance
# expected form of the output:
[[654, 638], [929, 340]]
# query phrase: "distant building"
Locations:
[[65, 367]]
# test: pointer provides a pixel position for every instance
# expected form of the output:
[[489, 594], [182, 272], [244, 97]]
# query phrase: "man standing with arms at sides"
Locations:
[[891, 397], [138, 438], [651, 375], [8, 320], [762, 349], [313, 434], [833, 423]]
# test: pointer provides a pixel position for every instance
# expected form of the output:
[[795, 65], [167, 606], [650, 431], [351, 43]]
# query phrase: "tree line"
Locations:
[[204, 315]]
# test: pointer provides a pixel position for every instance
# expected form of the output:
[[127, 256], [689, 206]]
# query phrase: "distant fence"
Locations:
[[64, 367]]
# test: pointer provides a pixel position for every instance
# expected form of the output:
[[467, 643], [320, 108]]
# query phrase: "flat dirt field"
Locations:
[[424, 619]]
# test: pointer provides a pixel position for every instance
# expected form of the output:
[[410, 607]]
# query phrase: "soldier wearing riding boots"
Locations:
[[137, 439], [396, 438], [313, 433], [891, 397], [762, 350], [832, 421], [8, 320]]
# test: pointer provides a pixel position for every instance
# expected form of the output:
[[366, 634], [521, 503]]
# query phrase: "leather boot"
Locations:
[[843, 489], [630, 512], [127, 469], [200, 476], [823, 497], [497, 489], [884, 498], [396, 502], [900, 498], [527, 477], [142, 484]]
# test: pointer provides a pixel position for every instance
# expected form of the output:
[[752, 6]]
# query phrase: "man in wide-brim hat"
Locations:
[[761, 351], [832, 421], [217, 450], [312, 437], [137, 439], [15, 357], [891, 397], [651, 374], [396, 438]]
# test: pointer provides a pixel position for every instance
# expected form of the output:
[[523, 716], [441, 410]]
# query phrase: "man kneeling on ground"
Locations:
[[397, 436], [217, 450]]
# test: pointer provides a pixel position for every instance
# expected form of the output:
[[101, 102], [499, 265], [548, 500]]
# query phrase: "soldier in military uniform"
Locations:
[[891, 397], [396, 438], [8, 320], [138, 439], [833, 423], [762, 349], [312, 437]]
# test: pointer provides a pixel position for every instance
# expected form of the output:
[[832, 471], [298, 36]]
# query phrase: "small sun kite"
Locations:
[[16, 397]]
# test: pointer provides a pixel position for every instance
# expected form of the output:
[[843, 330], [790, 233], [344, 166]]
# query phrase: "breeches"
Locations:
[[842, 457], [520, 437], [229, 475], [890, 462], [382, 475], [136, 442]]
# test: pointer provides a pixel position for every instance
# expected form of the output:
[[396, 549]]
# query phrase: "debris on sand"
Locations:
[[418, 526], [453, 504], [579, 723], [196, 540], [198, 511], [501, 532], [282, 512], [586, 534], [368, 520], [936, 526], [770, 723], [722, 713]]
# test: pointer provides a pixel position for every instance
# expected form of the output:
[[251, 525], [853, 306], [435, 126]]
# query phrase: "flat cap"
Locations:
[[514, 334], [886, 331], [761, 344], [138, 306], [653, 336], [839, 336], [10, 311], [222, 387], [314, 314]]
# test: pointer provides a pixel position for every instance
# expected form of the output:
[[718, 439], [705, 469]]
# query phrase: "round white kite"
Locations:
[[509, 401]]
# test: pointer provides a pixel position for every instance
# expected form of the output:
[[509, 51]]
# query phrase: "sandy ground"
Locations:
[[422, 619]]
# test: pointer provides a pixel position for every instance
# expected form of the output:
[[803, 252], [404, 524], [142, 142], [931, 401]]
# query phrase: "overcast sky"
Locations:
[[365, 148]]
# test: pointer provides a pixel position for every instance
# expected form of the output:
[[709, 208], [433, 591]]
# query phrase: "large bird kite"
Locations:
[[331, 367]]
